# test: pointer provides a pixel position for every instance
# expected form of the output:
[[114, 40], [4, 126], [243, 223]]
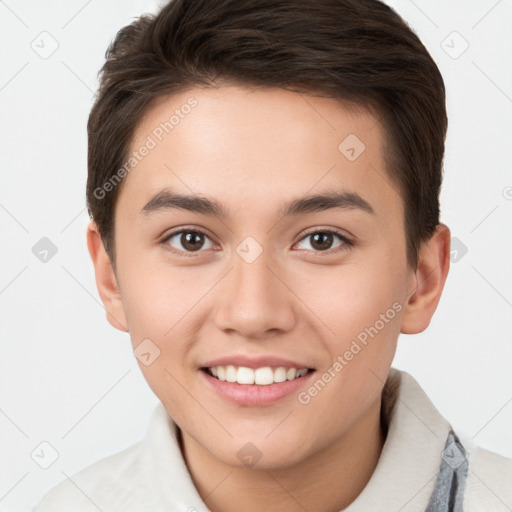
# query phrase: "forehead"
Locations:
[[246, 146]]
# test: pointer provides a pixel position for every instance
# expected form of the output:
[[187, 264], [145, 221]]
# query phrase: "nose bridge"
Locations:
[[251, 272], [254, 300]]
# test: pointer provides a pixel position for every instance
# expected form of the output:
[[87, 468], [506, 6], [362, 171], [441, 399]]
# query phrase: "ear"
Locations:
[[106, 280], [428, 282]]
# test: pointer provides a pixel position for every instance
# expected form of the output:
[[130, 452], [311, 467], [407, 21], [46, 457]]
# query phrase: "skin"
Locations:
[[252, 151]]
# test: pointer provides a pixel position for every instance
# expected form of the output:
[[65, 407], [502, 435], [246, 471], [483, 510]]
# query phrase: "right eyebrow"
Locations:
[[166, 199]]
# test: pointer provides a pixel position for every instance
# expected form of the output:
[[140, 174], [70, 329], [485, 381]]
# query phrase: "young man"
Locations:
[[263, 185]]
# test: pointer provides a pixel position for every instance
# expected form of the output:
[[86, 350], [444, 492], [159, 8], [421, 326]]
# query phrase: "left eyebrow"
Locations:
[[166, 199], [326, 201]]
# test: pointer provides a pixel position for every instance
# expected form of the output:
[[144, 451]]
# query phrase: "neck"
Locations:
[[328, 480]]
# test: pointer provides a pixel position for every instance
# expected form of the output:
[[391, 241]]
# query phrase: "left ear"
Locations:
[[430, 276]]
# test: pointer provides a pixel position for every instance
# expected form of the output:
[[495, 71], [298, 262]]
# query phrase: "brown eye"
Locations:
[[321, 241], [324, 240], [188, 241], [192, 241]]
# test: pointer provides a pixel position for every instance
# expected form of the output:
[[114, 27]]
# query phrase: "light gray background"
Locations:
[[68, 378]]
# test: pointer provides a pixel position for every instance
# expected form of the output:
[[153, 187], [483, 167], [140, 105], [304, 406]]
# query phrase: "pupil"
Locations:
[[192, 240], [322, 241]]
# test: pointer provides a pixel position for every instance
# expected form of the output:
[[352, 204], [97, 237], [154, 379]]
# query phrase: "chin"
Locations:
[[259, 453]]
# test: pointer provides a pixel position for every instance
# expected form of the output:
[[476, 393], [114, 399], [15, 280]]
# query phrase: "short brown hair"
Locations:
[[360, 51]]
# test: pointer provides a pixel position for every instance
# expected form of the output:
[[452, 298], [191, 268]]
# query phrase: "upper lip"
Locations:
[[254, 362]]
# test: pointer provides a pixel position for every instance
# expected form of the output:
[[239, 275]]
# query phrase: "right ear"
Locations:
[[106, 280]]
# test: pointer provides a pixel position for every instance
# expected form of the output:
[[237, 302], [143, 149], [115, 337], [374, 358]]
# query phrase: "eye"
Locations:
[[325, 240], [188, 240]]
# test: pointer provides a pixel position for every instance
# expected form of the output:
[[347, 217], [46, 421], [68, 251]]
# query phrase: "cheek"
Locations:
[[154, 299], [363, 308], [349, 298], [162, 306], [361, 304]]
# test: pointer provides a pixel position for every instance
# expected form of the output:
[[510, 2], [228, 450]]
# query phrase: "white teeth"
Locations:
[[290, 374], [230, 373], [245, 375], [280, 374], [261, 376], [264, 376]]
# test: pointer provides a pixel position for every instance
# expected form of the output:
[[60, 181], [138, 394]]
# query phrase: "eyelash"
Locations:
[[347, 243]]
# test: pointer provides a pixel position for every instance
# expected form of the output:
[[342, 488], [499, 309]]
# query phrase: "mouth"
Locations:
[[263, 376], [255, 380], [256, 387]]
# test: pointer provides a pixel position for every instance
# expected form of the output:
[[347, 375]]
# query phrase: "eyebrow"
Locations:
[[166, 199]]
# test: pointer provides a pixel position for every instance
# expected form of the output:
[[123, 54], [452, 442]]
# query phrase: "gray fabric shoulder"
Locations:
[[489, 482], [104, 485], [448, 493]]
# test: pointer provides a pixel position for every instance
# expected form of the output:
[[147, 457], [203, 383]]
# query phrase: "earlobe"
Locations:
[[106, 280], [430, 277]]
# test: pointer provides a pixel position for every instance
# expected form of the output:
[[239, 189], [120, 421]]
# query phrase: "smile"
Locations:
[[256, 387], [263, 376]]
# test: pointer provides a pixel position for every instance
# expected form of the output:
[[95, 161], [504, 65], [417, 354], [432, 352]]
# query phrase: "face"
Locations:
[[261, 241]]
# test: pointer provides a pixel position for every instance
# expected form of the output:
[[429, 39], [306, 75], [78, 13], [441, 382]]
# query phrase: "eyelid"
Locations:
[[321, 229]]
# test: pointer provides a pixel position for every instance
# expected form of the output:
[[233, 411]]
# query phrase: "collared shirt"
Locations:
[[423, 467]]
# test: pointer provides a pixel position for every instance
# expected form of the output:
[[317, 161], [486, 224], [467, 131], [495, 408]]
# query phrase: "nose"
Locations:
[[255, 301]]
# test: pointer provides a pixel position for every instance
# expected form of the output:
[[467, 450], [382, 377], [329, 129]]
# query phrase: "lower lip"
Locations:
[[252, 395]]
